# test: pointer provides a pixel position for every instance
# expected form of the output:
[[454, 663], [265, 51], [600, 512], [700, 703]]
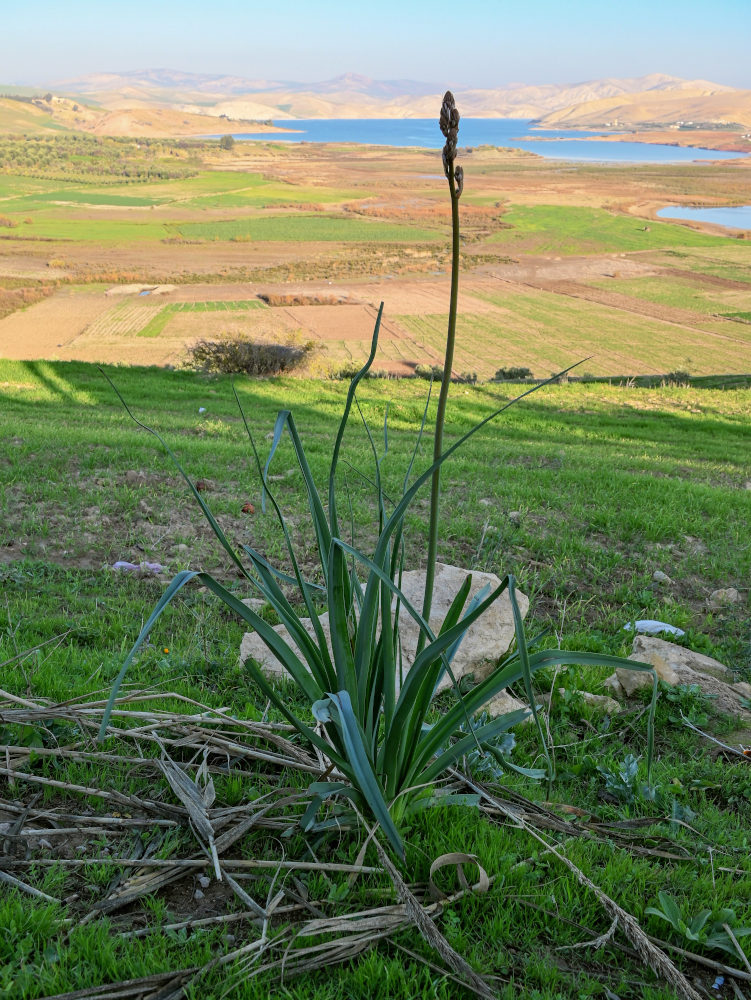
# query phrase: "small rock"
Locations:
[[614, 686], [722, 598], [676, 665], [182, 547], [43, 842], [515, 516], [600, 702], [198, 894], [502, 704], [659, 577], [485, 502], [134, 477], [204, 881], [254, 603]]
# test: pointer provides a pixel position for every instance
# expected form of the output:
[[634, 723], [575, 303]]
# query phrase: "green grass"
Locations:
[[258, 191], [79, 197], [226, 305], [685, 292], [609, 484], [566, 229], [64, 226], [303, 228], [730, 261]]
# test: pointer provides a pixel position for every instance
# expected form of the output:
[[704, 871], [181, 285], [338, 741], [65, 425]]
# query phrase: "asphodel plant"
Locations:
[[384, 744]]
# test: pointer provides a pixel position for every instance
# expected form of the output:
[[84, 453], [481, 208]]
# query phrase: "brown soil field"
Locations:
[[49, 329]]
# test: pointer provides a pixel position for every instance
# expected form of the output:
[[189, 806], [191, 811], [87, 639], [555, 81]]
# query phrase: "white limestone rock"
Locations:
[[678, 665], [484, 643]]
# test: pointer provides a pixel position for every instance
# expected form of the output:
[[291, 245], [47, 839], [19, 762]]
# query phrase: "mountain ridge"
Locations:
[[352, 95]]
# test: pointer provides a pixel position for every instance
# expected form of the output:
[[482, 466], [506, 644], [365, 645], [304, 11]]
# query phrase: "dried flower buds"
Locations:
[[449, 125]]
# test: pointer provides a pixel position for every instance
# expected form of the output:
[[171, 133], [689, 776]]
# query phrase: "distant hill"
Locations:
[[354, 96], [696, 104], [164, 102], [21, 115]]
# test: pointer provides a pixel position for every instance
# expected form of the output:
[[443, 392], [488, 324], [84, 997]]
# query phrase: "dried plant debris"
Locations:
[[152, 823]]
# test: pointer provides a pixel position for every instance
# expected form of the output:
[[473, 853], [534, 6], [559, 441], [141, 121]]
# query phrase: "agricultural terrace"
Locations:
[[558, 264]]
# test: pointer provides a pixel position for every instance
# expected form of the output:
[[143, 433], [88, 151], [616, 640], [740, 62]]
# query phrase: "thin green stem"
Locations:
[[435, 486]]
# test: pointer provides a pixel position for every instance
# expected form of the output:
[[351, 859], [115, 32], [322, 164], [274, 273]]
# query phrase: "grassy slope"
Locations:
[[610, 484]]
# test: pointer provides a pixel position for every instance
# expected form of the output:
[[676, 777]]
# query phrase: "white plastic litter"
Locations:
[[143, 568], [201, 409], [649, 626]]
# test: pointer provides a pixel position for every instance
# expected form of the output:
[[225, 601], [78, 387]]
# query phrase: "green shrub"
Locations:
[[511, 374], [233, 356]]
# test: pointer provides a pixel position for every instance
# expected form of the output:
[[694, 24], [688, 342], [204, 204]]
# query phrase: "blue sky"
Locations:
[[484, 43]]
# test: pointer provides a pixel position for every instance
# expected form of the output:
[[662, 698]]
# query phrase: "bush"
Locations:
[[511, 374], [434, 372], [227, 142], [230, 356]]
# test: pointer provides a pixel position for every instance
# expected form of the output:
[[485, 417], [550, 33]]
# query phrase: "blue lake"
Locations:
[[557, 144], [735, 217]]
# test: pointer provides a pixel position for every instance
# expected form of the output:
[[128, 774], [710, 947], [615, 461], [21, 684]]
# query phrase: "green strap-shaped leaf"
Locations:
[[521, 647], [318, 516], [343, 423], [174, 588], [332, 753], [362, 768], [281, 650], [283, 577], [339, 623], [508, 674], [316, 655], [302, 585]]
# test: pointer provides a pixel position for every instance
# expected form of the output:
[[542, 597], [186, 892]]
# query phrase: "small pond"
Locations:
[[737, 217]]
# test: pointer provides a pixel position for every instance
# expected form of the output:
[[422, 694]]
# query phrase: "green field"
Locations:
[[547, 332], [156, 325], [606, 485], [304, 228], [567, 229], [681, 293]]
